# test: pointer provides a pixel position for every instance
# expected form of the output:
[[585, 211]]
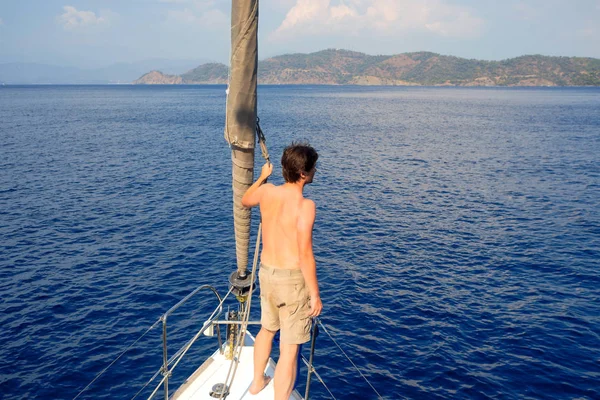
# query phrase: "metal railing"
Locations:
[[176, 358]]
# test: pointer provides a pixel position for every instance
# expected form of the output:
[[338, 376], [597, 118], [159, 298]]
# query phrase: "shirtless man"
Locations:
[[289, 291]]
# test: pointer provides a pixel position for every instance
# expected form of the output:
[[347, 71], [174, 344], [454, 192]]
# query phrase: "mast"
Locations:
[[240, 119]]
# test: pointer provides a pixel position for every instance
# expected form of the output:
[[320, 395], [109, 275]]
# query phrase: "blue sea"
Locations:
[[457, 235]]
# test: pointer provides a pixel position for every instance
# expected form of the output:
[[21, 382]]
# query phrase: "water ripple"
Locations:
[[456, 236]]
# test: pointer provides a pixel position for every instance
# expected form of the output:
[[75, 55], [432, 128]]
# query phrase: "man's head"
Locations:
[[299, 161]]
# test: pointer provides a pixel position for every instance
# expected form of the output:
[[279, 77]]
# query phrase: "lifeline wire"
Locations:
[[146, 385], [179, 355], [344, 353], [314, 371], [116, 359]]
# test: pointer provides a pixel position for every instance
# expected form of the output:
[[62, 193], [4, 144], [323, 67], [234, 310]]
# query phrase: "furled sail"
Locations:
[[240, 120]]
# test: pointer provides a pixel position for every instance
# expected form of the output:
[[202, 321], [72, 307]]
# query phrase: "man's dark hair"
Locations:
[[297, 159]]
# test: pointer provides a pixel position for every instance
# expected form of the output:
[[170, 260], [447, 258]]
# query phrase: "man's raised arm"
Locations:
[[254, 193], [306, 221]]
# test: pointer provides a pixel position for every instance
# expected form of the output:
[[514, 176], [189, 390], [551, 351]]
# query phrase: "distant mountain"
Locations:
[[207, 73], [343, 67], [31, 73], [158, 78], [210, 73]]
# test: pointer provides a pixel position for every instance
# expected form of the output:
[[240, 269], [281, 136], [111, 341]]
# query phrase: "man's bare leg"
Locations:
[[262, 351], [285, 372]]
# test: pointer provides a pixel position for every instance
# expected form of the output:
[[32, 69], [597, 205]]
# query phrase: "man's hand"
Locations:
[[266, 171], [315, 306], [255, 192]]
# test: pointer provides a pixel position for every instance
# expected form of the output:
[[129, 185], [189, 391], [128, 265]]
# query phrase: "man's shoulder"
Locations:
[[306, 215], [265, 191], [308, 206], [308, 203], [267, 187]]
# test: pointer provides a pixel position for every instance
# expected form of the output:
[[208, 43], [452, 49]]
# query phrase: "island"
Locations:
[[344, 67]]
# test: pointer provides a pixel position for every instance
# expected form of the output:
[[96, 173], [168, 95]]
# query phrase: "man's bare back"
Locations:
[[280, 210]]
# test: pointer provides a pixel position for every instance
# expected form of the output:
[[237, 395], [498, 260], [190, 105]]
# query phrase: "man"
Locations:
[[289, 290]]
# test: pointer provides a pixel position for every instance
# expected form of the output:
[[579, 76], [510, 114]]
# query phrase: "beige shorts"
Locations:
[[285, 303]]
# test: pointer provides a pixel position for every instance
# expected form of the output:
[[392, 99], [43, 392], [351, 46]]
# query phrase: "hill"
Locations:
[[343, 67], [158, 78]]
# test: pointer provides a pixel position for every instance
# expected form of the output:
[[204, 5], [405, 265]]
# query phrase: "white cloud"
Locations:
[[73, 19], [205, 18], [278, 5], [378, 17], [200, 4]]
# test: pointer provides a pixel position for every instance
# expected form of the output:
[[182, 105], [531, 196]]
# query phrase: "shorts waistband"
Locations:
[[280, 271]]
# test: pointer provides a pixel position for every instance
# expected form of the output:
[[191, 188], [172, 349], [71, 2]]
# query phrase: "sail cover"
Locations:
[[240, 120]]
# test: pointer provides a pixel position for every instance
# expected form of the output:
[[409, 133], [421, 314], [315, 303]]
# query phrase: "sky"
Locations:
[[96, 33]]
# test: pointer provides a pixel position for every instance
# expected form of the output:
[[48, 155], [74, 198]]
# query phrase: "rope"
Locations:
[[262, 141], [244, 326], [242, 332], [344, 353], [116, 359]]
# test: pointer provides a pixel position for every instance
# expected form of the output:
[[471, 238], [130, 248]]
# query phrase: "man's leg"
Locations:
[[285, 372], [262, 351]]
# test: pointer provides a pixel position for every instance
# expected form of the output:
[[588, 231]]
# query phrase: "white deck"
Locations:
[[214, 370]]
